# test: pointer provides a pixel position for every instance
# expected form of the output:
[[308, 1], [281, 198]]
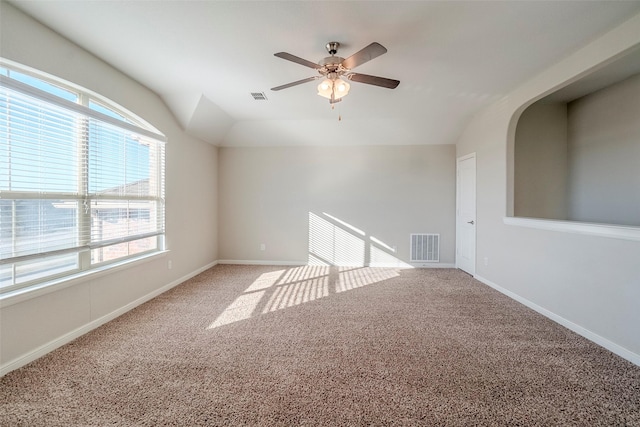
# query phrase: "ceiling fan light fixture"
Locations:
[[342, 87], [326, 88], [335, 70], [333, 89]]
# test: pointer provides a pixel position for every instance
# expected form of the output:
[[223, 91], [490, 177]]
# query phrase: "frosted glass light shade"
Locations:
[[338, 87]]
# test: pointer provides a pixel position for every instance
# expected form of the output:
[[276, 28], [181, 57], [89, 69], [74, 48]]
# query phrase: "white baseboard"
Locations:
[[260, 262], [301, 263], [591, 336], [68, 337], [434, 265]]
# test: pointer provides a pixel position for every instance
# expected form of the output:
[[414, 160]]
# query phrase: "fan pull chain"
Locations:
[[333, 107]]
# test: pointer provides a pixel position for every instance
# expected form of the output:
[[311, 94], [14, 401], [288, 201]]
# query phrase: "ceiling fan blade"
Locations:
[[296, 83], [374, 80], [367, 54], [297, 60]]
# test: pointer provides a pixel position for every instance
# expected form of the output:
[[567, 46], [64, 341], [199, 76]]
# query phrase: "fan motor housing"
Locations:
[[331, 60], [331, 65]]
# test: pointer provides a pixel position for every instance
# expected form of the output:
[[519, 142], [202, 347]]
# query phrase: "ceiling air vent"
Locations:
[[259, 96]]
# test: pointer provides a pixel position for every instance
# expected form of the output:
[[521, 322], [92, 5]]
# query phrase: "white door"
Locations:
[[466, 214]]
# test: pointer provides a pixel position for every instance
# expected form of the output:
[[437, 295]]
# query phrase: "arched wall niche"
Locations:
[[574, 150]]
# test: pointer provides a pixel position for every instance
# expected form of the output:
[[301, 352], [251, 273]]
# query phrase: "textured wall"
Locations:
[[604, 154], [286, 196], [541, 162]]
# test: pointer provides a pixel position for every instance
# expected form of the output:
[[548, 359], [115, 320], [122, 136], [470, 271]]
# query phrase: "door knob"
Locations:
[[470, 222]]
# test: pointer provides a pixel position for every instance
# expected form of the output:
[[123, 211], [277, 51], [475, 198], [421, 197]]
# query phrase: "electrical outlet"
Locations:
[[486, 261], [169, 264], [263, 247]]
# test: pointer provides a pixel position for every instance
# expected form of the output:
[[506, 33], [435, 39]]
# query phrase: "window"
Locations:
[[81, 181]]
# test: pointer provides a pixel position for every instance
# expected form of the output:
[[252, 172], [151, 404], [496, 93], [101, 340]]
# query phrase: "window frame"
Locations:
[[83, 194]]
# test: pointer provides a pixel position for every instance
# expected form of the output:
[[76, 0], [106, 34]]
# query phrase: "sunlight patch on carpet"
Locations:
[[359, 277], [240, 309], [298, 293], [282, 289], [266, 280]]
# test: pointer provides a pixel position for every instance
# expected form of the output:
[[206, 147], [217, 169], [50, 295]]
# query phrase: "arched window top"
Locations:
[[67, 91]]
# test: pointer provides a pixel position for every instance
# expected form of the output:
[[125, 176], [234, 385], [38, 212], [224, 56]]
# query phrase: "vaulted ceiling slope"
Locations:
[[204, 58]]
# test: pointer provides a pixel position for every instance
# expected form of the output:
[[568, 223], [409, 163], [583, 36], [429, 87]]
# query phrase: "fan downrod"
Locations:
[[332, 47]]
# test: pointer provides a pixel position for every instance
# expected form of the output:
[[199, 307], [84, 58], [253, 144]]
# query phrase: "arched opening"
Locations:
[[575, 152]]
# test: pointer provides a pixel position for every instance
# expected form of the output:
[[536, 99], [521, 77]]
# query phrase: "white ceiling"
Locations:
[[204, 58]]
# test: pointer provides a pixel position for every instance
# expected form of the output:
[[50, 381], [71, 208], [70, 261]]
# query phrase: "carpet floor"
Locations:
[[326, 346]]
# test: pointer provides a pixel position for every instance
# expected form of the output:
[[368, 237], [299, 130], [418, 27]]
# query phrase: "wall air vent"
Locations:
[[259, 96], [425, 248]]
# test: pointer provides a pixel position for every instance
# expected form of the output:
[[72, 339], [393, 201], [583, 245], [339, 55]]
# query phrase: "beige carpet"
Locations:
[[313, 346]]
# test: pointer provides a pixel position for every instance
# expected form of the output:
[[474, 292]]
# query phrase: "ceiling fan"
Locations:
[[334, 69]]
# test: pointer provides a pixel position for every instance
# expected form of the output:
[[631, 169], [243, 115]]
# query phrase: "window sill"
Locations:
[[20, 295], [600, 230]]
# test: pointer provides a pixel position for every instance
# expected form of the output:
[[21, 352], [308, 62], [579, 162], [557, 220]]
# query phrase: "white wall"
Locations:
[[604, 154], [279, 196], [32, 326], [540, 189], [589, 283]]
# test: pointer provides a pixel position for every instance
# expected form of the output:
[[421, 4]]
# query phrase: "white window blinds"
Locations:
[[78, 188]]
